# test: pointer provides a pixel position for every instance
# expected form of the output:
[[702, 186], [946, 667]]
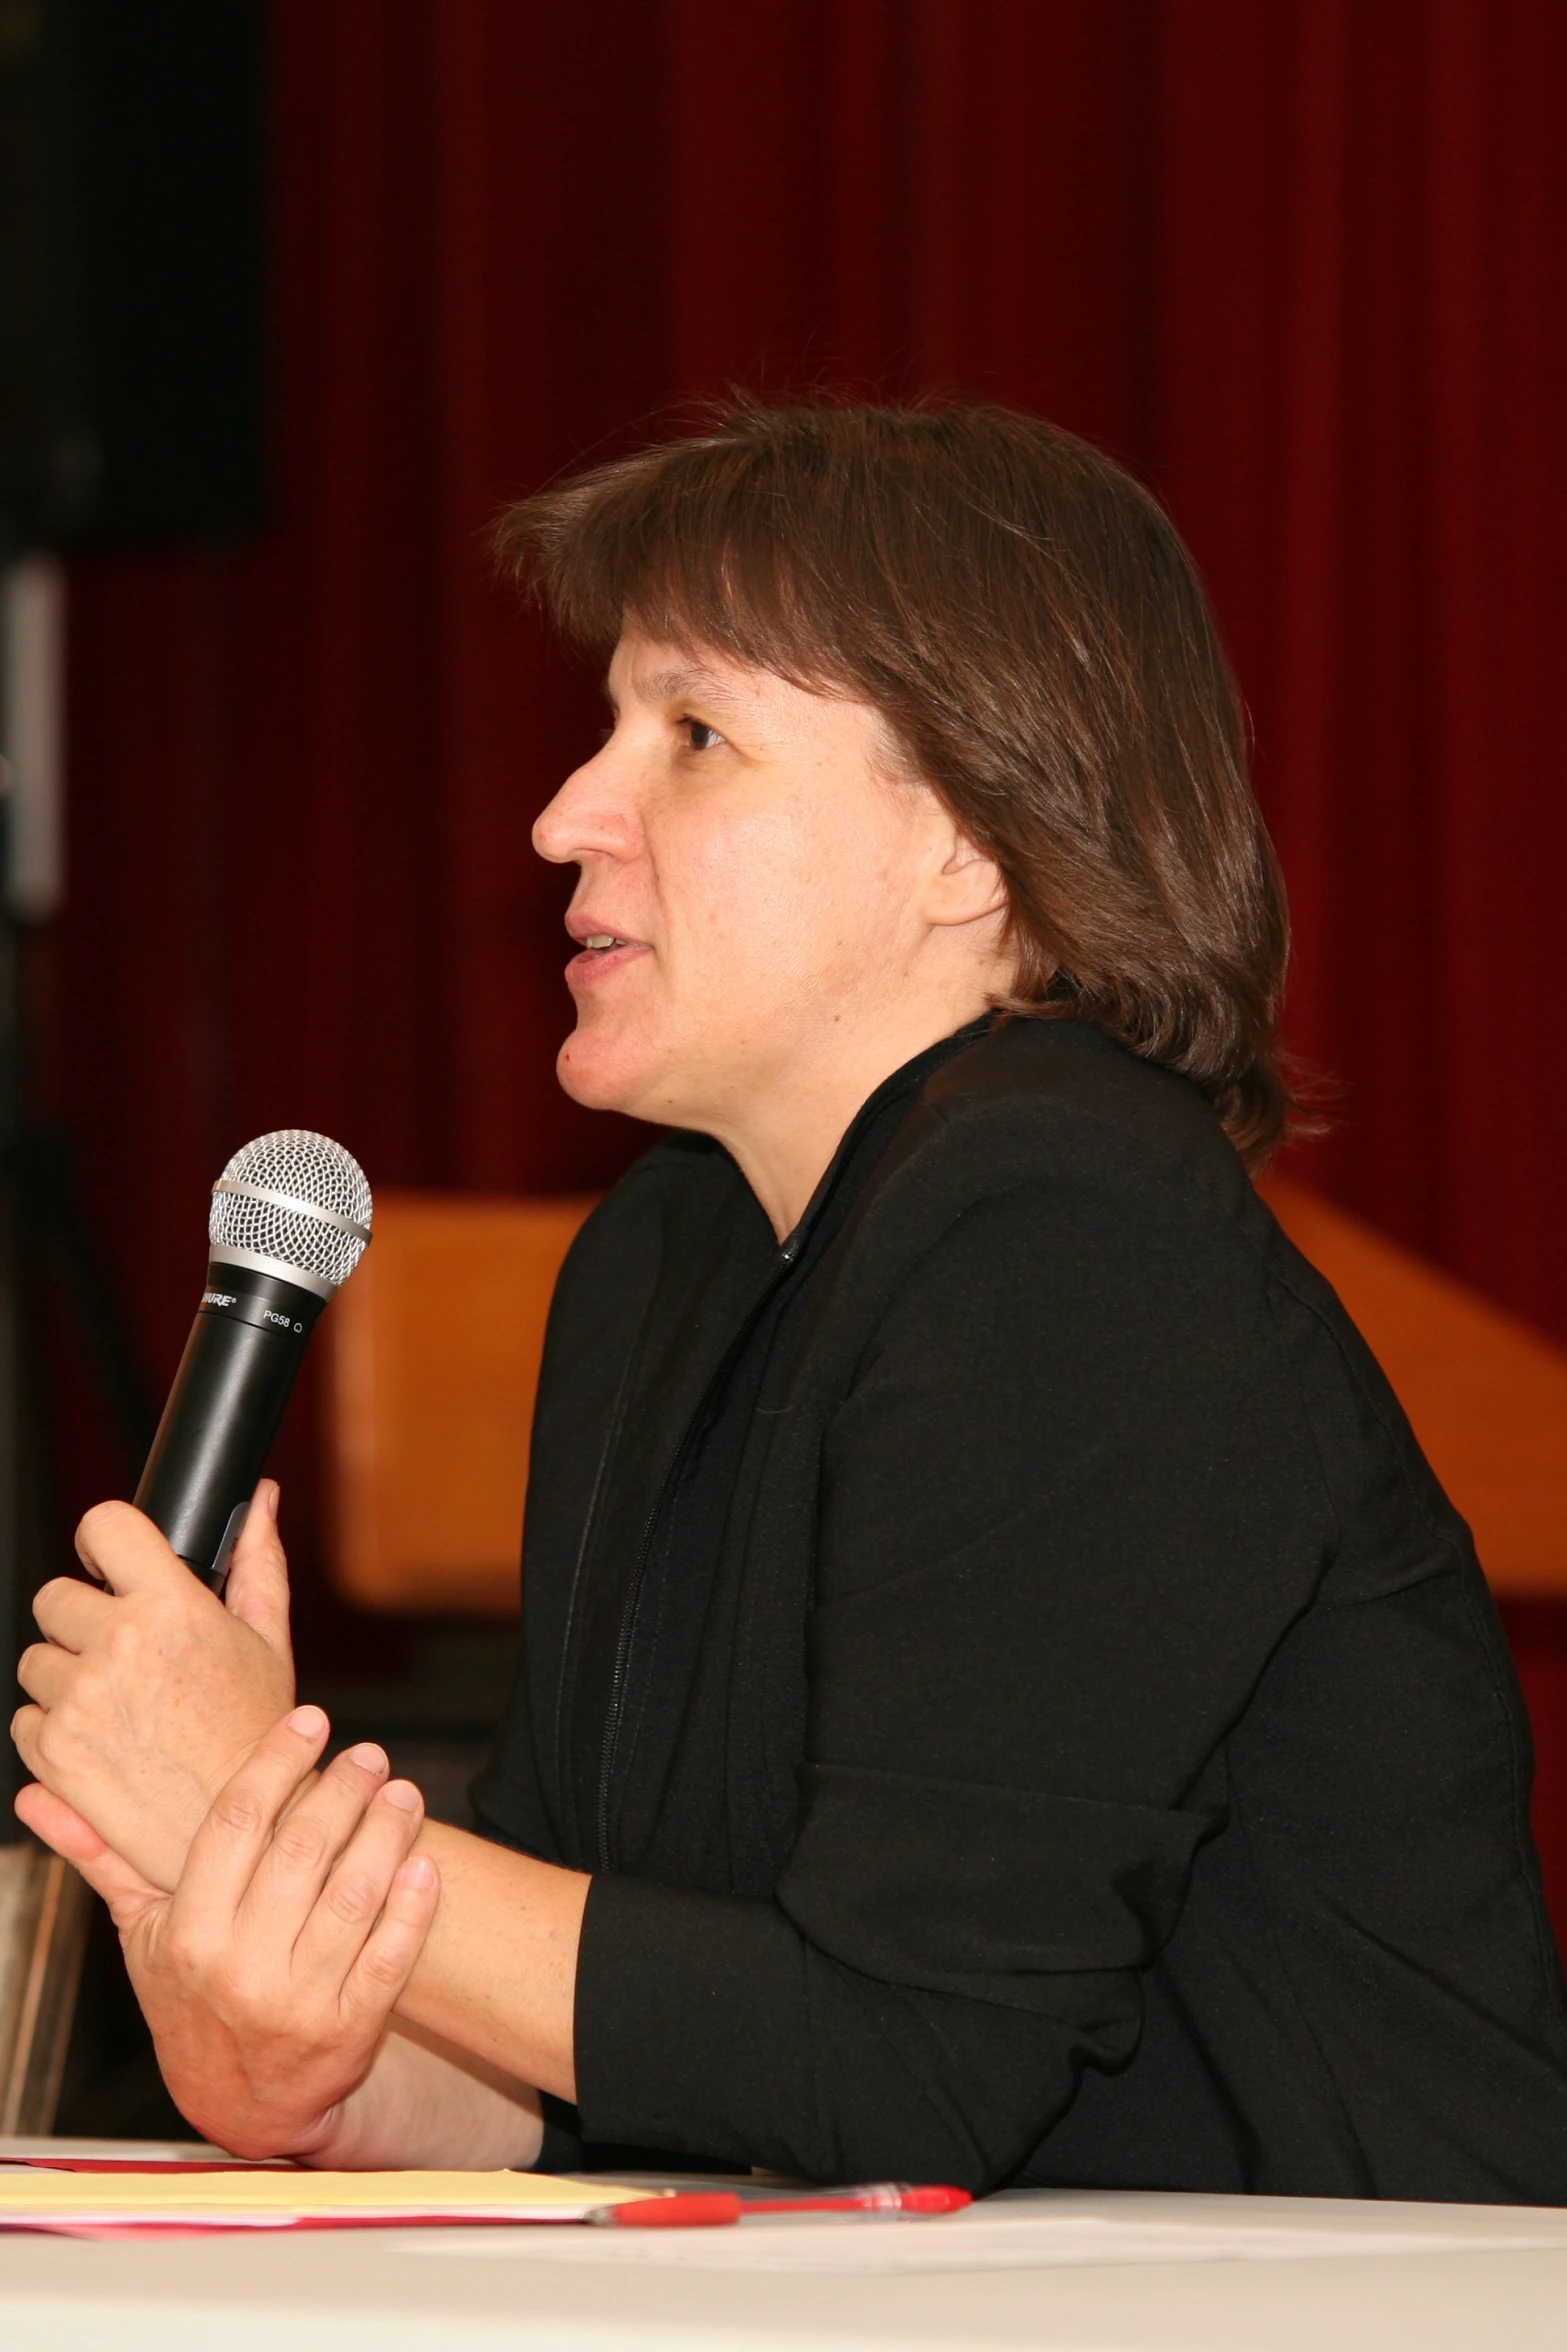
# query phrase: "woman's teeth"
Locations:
[[599, 940]]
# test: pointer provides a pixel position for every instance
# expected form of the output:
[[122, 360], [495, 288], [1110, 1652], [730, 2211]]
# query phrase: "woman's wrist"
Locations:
[[350, 2139], [366, 2130], [329, 2143], [423, 2104]]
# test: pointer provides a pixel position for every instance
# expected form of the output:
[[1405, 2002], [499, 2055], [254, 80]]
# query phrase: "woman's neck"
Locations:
[[783, 1138]]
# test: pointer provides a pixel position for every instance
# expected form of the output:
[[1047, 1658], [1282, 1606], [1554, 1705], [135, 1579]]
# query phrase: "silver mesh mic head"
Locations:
[[293, 1204]]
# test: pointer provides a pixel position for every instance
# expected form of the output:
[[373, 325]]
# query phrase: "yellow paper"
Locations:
[[279, 2196]]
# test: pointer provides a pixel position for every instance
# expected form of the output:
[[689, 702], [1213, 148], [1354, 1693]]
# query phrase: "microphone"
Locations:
[[290, 1220]]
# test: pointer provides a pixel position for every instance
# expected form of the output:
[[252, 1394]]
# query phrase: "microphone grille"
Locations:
[[318, 1182]]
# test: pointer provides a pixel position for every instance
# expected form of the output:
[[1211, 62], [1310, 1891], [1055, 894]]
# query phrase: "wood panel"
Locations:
[[433, 1364], [1487, 1395], [434, 1352]]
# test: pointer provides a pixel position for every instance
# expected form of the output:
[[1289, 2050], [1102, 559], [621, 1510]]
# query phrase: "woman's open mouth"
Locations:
[[602, 952]]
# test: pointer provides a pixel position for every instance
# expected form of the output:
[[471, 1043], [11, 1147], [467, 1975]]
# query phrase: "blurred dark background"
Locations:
[[1302, 265]]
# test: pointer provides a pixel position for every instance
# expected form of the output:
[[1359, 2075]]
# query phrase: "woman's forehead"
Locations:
[[660, 670], [657, 673]]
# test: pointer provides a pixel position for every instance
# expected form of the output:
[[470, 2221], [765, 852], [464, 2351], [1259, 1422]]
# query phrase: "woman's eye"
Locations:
[[701, 736]]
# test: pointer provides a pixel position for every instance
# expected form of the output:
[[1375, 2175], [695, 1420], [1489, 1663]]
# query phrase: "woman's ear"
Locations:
[[969, 885]]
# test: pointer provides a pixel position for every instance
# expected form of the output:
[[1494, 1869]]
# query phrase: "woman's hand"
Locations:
[[270, 1974], [150, 1693]]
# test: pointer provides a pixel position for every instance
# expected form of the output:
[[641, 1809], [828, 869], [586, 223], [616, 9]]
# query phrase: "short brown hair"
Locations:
[[1030, 625]]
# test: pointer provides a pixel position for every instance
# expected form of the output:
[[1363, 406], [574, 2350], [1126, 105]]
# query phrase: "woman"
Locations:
[[1002, 1697]]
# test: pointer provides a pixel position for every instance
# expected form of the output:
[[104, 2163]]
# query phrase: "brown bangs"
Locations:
[[733, 544]]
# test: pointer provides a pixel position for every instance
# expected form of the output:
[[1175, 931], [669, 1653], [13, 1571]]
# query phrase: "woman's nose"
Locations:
[[590, 815]]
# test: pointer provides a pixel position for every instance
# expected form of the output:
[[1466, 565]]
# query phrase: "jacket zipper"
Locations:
[[788, 1258], [628, 1616]]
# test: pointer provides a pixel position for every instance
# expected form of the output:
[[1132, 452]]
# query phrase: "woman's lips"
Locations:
[[595, 962]]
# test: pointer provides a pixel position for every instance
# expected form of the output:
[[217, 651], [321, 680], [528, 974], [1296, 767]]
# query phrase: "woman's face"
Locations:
[[756, 883]]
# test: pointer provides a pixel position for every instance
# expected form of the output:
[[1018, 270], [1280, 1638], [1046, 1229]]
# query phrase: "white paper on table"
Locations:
[[1034, 2230]]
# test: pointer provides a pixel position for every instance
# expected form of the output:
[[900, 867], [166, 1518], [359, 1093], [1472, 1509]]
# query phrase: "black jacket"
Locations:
[[1086, 1751]]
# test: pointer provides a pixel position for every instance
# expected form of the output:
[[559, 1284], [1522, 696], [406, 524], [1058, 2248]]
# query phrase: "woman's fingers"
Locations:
[[26, 1726], [121, 1548], [269, 1975], [58, 1824], [162, 1692], [130, 1897], [257, 1588], [342, 1924], [309, 1840], [375, 1983], [71, 1613], [122, 1887], [244, 1814], [45, 1673]]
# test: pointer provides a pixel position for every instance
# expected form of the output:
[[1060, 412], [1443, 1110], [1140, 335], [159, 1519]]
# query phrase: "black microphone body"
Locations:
[[289, 1221], [229, 1394]]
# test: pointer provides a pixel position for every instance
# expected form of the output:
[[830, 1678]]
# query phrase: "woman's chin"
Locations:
[[597, 1075]]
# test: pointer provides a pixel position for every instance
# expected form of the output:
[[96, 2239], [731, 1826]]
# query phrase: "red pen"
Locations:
[[715, 2208]]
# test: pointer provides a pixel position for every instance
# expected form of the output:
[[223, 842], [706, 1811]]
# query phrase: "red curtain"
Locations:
[[1302, 265]]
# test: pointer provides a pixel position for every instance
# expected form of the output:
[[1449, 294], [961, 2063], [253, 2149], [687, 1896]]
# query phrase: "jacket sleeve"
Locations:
[[1069, 1506]]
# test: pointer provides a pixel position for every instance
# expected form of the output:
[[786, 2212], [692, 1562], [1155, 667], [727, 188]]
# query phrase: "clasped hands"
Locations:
[[270, 1918]]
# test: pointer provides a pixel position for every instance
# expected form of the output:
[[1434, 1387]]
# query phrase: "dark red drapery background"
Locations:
[[1302, 265]]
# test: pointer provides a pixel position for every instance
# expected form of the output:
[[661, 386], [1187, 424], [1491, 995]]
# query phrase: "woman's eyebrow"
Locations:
[[677, 685]]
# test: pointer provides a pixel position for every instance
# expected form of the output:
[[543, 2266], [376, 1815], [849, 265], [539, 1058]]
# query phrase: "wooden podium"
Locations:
[[434, 1354]]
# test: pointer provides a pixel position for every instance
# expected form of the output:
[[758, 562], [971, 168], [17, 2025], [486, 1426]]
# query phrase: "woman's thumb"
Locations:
[[257, 1588]]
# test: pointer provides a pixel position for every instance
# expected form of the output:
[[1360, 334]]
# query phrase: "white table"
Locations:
[[447, 2291]]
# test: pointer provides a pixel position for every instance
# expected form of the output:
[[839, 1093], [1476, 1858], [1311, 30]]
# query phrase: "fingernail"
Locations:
[[270, 1494], [368, 1757], [419, 1872], [309, 1722], [403, 1795]]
